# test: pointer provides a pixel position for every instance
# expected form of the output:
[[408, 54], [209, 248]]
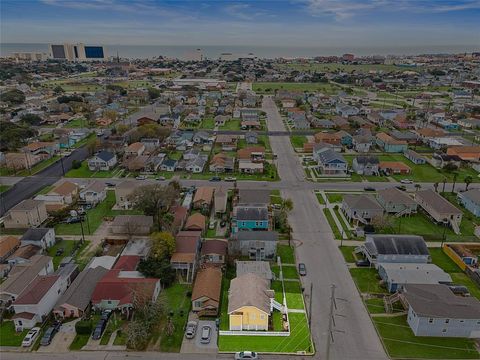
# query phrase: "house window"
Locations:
[[430, 321], [109, 302], [262, 317], [447, 321], [444, 330]]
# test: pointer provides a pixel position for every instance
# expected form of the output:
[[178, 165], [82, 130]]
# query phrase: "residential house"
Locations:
[[251, 137], [221, 163], [252, 153], [444, 142], [390, 145], [202, 137], [362, 143], [415, 157], [220, 201], [227, 142], [203, 198], [394, 168], [185, 258], [122, 193], [94, 193], [250, 218], [329, 161], [8, 245], [366, 165], [408, 136], [23, 254], [250, 167], [466, 153], [196, 222], [257, 245], [250, 125], [196, 165], [256, 197], [151, 144], [346, 110], [397, 275], [206, 292], [433, 310], [132, 225], [75, 302], [360, 208], [341, 123], [134, 149], [425, 134], [249, 303], [470, 200], [328, 138], [42, 148], [214, 252], [41, 237], [120, 290], [439, 208], [221, 120], [26, 214], [379, 249], [169, 165], [395, 201], [442, 160]]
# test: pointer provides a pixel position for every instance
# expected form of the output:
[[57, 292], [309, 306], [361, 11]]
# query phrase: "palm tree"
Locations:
[[454, 181], [436, 186], [468, 180], [417, 187]]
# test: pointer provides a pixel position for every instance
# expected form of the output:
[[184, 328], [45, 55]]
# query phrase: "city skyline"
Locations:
[[325, 23]]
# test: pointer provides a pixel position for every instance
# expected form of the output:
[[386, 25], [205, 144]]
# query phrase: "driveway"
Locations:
[[195, 346], [62, 339]]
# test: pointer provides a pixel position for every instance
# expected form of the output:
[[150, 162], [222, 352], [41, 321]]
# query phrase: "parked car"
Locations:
[[302, 269], [110, 184], [99, 328], [212, 224], [401, 187], [191, 329], [160, 178], [73, 220], [31, 336], [369, 188], [244, 355], [49, 334], [106, 314], [223, 223], [406, 181], [230, 178], [362, 263], [141, 177], [215, 178], [206, 334]]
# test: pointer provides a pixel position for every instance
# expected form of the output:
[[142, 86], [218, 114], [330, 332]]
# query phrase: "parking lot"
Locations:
[[194, 345]]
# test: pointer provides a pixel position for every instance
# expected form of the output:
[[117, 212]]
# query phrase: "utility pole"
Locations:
[[81, 227], [310, 306], [61, 162], [330, 321]]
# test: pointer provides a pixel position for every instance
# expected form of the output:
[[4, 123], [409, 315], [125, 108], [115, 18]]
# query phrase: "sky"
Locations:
[[295, 23]]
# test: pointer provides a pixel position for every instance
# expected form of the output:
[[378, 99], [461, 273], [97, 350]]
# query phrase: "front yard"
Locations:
[[84, 172], [8, 335], [68, 247]]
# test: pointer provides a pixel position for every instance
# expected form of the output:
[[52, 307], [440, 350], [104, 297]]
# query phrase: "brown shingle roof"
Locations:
[[195, 222], [249, 290], [437, 202], [208, 283], [64, 189]]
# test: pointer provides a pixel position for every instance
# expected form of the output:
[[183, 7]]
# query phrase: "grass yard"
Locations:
[[270, 87], [39, 167], [375, 306], [331, 222], [79, 341], [298, 141], [460, 278], [286, 253], [232, 124], [4, 188], [442, 260], [84, 172], [320, 198], [207, 123], [289, 272], [299, 339], [334, 198], [400, 342], [367, 280], [347, 252], [293, 294], [66, 245], [77, 123], [8, 335], [115, 322]]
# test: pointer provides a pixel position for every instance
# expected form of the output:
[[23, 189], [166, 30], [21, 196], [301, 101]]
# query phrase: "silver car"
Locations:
[[206, 334], [191, 329], [246, 355]]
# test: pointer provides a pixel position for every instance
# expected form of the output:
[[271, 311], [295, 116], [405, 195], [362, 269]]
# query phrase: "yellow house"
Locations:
[[249, 302]]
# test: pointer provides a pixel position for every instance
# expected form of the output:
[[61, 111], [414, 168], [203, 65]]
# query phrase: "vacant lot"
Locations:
[[270, 87], [367, 280]]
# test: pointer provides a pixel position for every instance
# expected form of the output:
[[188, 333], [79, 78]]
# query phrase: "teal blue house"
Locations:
[[250, 218], [391, 145]]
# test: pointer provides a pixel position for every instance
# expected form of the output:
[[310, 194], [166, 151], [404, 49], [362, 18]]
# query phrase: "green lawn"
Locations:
[[400, 342], [178, 302], [331, 222], [207, 123], [79, 341], [4, 188], [334, 197], [94, 218], [320, 199], [8, 335], [347, 252], [232, 124], [299, 339], [442, 260], [286, 253], [84, 172], [289, 272], [77, 123], [298, 140], [367, 280], [270, 87], [67, 245], [375, 306], [293, 294], [462, 279], [45, 190], [115, 322], [39, 167]]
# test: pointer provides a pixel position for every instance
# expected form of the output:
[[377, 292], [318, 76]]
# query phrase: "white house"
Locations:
[[104, 160], [42, 237], [94, 193]]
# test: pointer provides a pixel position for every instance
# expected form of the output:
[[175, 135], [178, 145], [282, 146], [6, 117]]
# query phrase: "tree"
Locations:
[[163, 245], [32, 119], [436, 186], [76, 164], [468, 180], [58, 90], [454, 181], [417, 187], [111, 114], [382, 222], [15, 97], [153, 93], [158, 268]]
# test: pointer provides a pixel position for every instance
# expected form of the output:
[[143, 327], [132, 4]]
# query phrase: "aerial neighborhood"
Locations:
[[223, 205]]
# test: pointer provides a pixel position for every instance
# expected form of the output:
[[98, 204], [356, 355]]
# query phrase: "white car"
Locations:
[[406, 181], [141, 177], [30, 337], [230, 178], [244, 355]]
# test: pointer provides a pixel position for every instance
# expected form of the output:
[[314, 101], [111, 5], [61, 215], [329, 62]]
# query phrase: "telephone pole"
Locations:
[[310, 306], [330, 321]]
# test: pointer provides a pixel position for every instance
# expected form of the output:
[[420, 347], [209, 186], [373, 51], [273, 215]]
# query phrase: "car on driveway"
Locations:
[[59, 251], [406, 181], [302, 269], [206, 334], [49, 334], [99, 328], [244, 355], [191, 329], [30, 337], [110, 184]]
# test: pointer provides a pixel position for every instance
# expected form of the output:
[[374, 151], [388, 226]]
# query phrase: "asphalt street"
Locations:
[[354, 334]]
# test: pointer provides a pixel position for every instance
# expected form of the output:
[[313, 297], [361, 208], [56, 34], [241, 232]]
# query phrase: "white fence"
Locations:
[[253, 333]]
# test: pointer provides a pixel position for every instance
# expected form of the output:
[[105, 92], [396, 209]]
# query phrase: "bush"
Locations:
[[83, 327], [76, 164]]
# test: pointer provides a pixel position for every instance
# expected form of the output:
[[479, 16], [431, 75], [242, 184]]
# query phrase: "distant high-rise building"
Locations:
[[77, 52]]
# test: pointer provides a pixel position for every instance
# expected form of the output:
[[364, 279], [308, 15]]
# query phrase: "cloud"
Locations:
[[244, 11]]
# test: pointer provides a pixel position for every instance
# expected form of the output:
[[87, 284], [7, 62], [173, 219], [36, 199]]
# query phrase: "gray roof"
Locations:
[[395, 196], [397, 244], [367, 160], [438, 301], [249, 290], [257, 235], [80, 291], [96, 186], [253, 197], [328, 155], [251, 213], [260, 268], [437, 202], [362, 202], [35, 234], [28, 204], [105, 155], [473, 195], [412, 273]]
